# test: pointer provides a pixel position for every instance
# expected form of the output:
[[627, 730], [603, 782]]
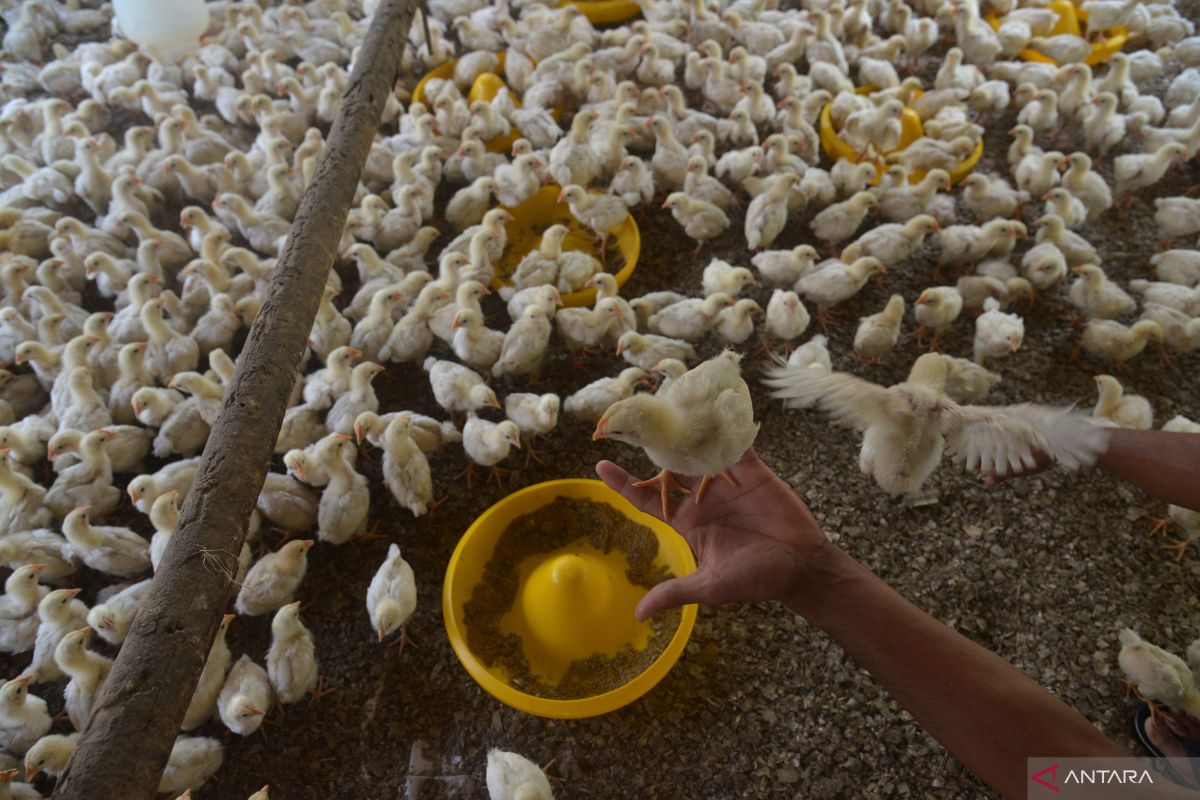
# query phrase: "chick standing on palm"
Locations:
[[699, 425]]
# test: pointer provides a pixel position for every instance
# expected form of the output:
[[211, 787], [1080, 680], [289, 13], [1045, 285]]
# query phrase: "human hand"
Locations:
[[753, 541]]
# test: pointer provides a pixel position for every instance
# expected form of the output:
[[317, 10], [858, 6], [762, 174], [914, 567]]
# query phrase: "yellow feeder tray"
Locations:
[[486, 87], [1069, 18], [605, 12], [531, 218], [911, 129], [574, 603]]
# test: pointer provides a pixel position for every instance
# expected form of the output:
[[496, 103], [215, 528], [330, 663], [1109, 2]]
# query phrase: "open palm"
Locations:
[[752, 540]]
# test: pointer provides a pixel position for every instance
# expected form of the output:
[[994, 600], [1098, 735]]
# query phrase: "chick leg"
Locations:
[[1179, 547], [665, 482], [469, 472], [319, 692], [1161, 525], [403, 641], [919, 335], [825, 318], [372, 533], [531, 453], [498, 474], [1131, 690]]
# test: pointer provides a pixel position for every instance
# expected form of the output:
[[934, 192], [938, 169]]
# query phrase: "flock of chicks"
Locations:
[[699, 107]]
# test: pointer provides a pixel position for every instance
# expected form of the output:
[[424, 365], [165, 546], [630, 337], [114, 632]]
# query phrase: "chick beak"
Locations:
[[30, 773], [258, 712], [51, 452], [358, 437], [494, 403], [457, 322], [560, 198], [381, 636], [1014, 343], [516, 440], [228, 618], [600, 432], [1078, 269], [620, 348], [73, 592], [923, 299]]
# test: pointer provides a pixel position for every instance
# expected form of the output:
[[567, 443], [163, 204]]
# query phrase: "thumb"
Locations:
[[670, 594]]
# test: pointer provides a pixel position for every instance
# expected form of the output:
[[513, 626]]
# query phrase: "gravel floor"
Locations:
[[1043, 571]]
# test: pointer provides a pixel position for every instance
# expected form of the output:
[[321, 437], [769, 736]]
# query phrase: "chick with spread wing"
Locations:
[[907, 427]]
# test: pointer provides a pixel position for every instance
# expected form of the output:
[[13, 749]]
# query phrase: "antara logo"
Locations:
[[1039, 777], [1048, 777]]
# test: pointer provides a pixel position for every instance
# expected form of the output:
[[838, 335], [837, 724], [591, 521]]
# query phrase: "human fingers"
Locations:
[[644, 499], [671, 594]]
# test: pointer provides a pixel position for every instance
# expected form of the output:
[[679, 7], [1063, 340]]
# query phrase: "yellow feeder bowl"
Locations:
[[605, 12], [485, 87], [572, 604], [531, 218], [911, 129], [1069, 18]]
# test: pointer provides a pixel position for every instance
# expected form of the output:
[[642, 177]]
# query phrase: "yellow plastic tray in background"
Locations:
[[911, 129], [474, 550], [531, 218], [1069, 18], [605, 12]]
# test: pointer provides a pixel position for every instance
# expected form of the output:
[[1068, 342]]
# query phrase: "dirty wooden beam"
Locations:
[[128, 738]]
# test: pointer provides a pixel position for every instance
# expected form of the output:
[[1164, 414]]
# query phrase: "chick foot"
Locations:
[[665, 482], [316, 694], [499, 475], [1131, 690], [403, 641], [1161, 525], [826, 318], [372, 533], [469, 473], [1179, 547]]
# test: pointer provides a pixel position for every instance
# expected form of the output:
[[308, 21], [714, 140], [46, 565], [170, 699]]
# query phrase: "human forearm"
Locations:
[[1164, 465], [987, 713]]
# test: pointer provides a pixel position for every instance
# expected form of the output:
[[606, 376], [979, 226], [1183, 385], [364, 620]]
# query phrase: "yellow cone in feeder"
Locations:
[[485, 87], [572, 603], [1069, 18], [535, 215], [911, 129]]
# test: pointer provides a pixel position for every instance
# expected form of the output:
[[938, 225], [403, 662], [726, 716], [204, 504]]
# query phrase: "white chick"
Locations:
[[893, 242], [50, 755], [990, 196], [644, 350], [273, 580], [907, 427], [113, 618], [1158, 675], [18, 609], [1096, 296], [487, 444], [392, 596], [535, 415], [1116, 408], [838, 222], [405, 468], [39, 546], [87, 670], [212, 678], [23, 716], [837, 281], [193, 760], [785, 267], [360, 397], [591, 401], [457, 388], [689, 319], [813, 354], [700, 426], [937, 308], [245, 698], [291, 659], [342, 510], [721, 276], [1139, 170], [997, 333], [878, 333], [473, 342], [735, 324], [701, 221], [966, 381], [511, 776], [1107, 339], [60, 613], [109, 549], [524, 344], [787, 318]]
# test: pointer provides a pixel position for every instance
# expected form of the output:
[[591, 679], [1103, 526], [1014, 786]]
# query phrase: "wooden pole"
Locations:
[[125, 744]]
